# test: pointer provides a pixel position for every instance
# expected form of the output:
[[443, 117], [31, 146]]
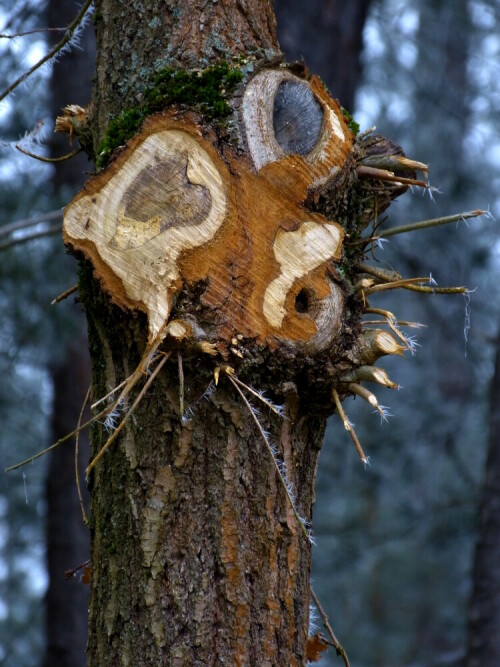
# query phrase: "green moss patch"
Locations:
[[351, 123], [205, 91]]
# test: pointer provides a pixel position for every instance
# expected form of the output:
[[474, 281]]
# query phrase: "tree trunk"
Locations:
[[66, 602], [222, 220], [484, 610], [329, 36], [67, 538]]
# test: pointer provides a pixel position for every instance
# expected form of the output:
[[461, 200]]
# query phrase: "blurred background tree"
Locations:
[[396, 542]]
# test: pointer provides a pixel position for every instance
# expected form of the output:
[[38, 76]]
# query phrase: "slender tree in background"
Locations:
[[329, 36], [484, 611], [67, 536]]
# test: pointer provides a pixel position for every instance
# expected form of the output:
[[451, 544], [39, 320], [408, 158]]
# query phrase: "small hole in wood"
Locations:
[[302, 301]]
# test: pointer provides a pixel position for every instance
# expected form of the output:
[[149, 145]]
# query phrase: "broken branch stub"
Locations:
[[177, 208]]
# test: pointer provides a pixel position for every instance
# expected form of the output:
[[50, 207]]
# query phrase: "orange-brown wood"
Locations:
[[172, 210]]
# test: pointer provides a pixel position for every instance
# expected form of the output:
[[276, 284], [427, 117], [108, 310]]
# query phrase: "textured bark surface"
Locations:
[[198, 558], [176, 34]]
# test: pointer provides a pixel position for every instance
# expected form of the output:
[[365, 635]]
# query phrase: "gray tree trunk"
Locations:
[[484, 610], [328, 34], [67, 538]]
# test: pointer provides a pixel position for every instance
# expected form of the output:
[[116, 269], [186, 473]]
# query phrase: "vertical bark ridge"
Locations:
[[200, 565], [135, 42]]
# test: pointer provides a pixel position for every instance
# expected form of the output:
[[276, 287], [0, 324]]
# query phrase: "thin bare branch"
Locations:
[[348, 427], [139, 398], [396, 284], [77, 443], [259, 395], [384, 175], [70, 31], [42, 158], [382, 274], [52, 229], [30, 32], [71, 573], [335, 642], [64, 295], [433, 222], [436, 290], [284, 482], [30, 222]]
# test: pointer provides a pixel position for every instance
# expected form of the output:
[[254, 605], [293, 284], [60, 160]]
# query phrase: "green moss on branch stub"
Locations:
[[353, 126], [205, 91]]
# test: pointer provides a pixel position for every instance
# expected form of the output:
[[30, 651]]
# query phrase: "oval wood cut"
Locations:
[[172, 211]]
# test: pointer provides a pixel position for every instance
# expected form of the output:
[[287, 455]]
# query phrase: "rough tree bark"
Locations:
[[227, 234]]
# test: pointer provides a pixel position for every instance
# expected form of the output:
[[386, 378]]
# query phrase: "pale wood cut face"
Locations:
[[170, 210], [167, 198]]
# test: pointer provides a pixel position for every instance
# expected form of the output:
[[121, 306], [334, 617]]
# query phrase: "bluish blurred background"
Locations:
[[396, 565]]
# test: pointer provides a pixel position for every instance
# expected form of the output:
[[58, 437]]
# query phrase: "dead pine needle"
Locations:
[[77, 442], [348, 427], [277, 466], [433, 222], [335, 642], [129, 412], [64, 295], [42, 158]]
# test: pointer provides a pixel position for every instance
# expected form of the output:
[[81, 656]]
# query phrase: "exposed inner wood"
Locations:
[[135, 222], [171, 210], [298, 252], [297, 117]]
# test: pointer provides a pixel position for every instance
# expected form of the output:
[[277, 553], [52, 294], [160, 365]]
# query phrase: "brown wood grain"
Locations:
[[140, 221]]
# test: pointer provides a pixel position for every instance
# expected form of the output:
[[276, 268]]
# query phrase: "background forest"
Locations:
[[394, 562]]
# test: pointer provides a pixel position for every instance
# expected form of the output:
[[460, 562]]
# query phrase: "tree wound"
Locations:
[[161, 197], [297, 117], [170, 194], [298, 253]]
